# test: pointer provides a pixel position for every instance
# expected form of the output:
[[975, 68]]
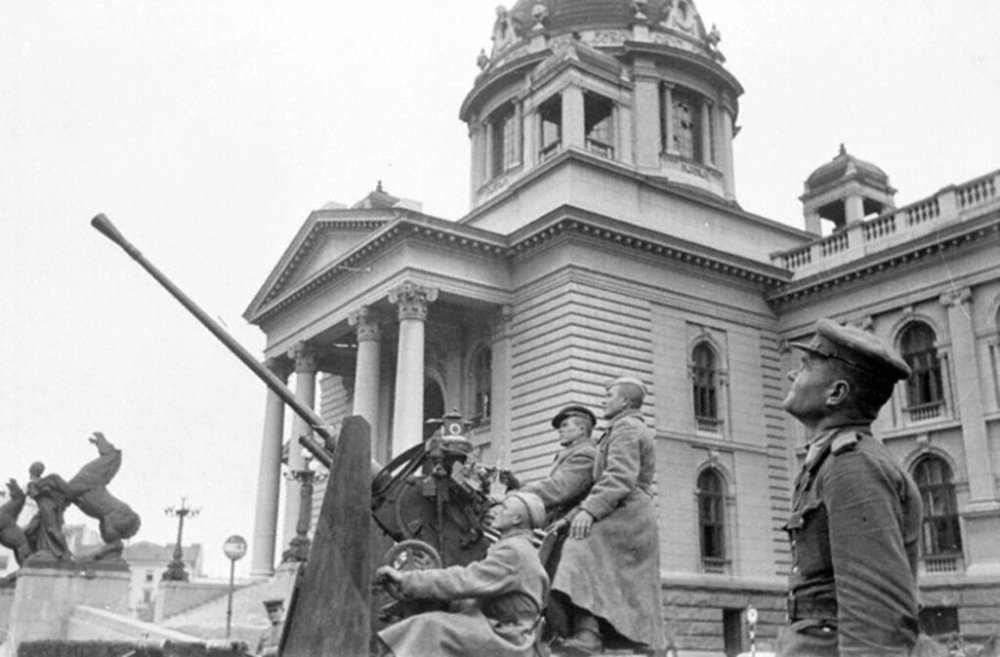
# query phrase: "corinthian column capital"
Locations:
[[305, 358], [412, 300], [956, 296], [366, 322], [280, 366]]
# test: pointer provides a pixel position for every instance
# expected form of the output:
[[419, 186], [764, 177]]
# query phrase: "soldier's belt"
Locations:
[[819, 608]]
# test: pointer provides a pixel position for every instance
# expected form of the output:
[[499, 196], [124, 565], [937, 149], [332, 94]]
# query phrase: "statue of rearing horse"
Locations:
[[88, 491]]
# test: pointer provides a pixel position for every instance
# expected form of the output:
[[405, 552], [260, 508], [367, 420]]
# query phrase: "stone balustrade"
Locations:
[[952, 204]]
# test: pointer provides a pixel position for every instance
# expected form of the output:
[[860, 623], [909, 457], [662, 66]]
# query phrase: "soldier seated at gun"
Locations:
[[496, 602]]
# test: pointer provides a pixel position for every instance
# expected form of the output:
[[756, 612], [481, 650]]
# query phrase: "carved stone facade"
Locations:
[[573, 267]]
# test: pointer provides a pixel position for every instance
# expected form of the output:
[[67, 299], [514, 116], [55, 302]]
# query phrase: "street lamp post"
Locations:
[[175, 569], [234, 548], [298, 547]]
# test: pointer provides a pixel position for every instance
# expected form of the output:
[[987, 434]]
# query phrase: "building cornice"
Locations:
[[581, 157]]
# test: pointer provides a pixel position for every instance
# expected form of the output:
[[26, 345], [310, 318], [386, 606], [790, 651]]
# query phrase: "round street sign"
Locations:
[[751, 615], [235, 547]]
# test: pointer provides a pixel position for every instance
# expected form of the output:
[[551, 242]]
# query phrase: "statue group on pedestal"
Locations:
[[42, 539]]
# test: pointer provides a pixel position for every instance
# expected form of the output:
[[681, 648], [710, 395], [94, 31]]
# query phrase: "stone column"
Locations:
[[854, 208], [500, 385], [726, 142], [304, 356], [969, 401], [367, 369], [646, 119], [706, 132], [408, 413], [667, 118], [265, 528], [572, 117]]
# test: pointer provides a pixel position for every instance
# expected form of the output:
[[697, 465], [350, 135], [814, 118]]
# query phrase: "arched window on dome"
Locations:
[[598, 124], [504, 140], [550, 127], [924, 389], [940, 534], [711, 493], [705, 387]]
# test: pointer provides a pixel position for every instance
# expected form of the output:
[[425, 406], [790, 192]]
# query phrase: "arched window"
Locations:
[[704, 373], [924, 392], [482, 383], [941, 533], [711, 519]]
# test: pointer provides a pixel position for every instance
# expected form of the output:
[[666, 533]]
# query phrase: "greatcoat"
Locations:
[[614, 573], [854, 530], [569, 480], [497, 604]]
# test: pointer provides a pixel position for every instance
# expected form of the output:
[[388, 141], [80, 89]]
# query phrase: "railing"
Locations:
[[602, 149], [956, 202], [548, 152], [833, 244], [925, 411], [709, 424], [923, 211], [879, 227], [942, 563], [714, 565]]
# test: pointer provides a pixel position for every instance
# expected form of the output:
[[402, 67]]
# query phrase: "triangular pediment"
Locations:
[[325, 237]]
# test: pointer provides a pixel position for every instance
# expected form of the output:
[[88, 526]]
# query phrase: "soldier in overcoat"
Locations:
[[496, 602], [572, 472], [610, 566], [856, 513]]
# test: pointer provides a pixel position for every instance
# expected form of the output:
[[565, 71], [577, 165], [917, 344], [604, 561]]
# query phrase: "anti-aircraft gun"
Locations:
[[432, 499]]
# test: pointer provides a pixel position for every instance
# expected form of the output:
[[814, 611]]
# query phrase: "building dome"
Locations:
[[844, 167], [561, 16]]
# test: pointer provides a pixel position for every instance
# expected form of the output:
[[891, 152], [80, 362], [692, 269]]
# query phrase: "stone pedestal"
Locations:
[[46, 595]]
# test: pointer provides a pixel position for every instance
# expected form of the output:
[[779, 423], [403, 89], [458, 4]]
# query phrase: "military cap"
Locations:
[[859, 349], [274, 604], [632, 381], [573, 411], [534, 505]]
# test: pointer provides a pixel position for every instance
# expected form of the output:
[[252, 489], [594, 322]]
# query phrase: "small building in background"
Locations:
[[148, 561]]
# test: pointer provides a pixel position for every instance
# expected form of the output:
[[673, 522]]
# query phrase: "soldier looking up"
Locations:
[[856, 513]]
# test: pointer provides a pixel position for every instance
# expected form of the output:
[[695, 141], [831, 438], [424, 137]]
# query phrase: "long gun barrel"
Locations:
[[315, 422]]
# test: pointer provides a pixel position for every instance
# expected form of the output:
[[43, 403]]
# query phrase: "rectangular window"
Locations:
[[732, 631], [504, 147], [685, 125], [598, 124], [937, 621], [550, 120]]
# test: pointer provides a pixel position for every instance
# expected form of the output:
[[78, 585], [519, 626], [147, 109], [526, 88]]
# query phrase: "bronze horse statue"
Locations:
[[11, 534], [88, 490]]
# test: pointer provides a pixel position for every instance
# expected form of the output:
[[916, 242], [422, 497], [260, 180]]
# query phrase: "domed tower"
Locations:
[[636, 83], [844, 190]]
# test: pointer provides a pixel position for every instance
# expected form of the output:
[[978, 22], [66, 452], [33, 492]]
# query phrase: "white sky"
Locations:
[[207, 131]]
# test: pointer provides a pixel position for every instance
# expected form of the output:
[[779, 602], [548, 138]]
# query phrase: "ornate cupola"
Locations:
[[637, 83], [843, 191]]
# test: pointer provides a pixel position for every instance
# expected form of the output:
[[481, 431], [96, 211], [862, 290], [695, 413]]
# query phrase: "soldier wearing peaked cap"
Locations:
[[856, 513], [609, 573], [568, 482], [572, 472]]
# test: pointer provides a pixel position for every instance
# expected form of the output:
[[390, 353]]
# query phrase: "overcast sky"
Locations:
[[208, 130]]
